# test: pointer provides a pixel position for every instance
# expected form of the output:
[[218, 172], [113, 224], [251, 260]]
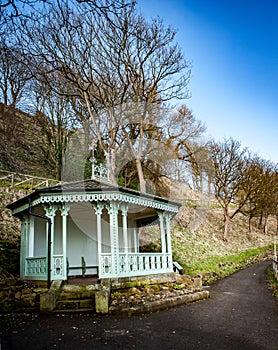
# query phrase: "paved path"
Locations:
[[241, 314]]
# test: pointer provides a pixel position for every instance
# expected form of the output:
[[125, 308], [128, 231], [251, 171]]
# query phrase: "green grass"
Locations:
[[215, 267], [272, 281], [212, 258], [198, 245]]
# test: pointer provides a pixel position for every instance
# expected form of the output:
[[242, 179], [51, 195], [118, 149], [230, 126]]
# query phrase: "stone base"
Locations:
[[102, 301], [160, 304], [48, 300]]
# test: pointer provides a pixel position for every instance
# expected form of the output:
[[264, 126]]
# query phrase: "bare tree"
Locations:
[[107, 64], [13, 9], [229, 161], [267, 199], [14, 75], [255, 181], [57, 121], [184, 135], [261, 182]]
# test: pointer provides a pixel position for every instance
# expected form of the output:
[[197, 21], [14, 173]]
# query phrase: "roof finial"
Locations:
[[99, 171]]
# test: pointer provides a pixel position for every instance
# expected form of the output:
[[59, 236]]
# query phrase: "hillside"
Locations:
[[196, 235], [198, 245], [21, 142]]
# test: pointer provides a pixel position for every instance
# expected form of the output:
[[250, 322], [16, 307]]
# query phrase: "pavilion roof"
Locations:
[[87, 187]]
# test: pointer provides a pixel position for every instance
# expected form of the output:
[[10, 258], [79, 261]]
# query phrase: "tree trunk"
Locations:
[[250, 226], [209, 185], [266, 225], [201, 183], [227, 220], [260, 222], [142, 181], [112, 166]]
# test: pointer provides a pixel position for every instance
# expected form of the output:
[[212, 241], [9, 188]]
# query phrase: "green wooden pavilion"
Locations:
[[91, 227]]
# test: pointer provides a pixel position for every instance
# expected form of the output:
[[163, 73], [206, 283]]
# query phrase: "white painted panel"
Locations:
[[40, 228], [57, 244], [81, 236], [31, 237]]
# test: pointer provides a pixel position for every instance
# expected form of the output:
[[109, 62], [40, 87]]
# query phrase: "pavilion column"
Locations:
[[135, 240], [23, 244], [163, 241], [98, 210], [64, 213], [124, 209], [168, 217], [162, 232], [50, 212], [113, 209], [31, 236]]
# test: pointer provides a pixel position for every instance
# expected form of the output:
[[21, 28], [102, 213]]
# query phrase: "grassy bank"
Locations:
[[216, 267], [199, 248], [272, 281]]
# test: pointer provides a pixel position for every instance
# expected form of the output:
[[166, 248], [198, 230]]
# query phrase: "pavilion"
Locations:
[[91, 227]]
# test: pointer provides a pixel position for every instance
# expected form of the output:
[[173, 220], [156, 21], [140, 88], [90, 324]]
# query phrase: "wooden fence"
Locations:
[[16, 180]]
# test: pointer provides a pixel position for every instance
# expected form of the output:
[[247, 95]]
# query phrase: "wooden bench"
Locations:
[[83, 267], [177, 267]]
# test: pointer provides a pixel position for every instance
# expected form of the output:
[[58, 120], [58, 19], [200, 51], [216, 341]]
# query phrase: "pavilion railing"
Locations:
[[136, 264], [36, 267], [128, 264], [58, 267]]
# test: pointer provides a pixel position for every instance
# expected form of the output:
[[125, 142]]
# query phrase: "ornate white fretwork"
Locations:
[[124, 209], [108, 197], [98, 208], [136, 264], [101, 172], [50, 210], [64, 208], [106, 265], [113, 209], [35, 267], [58, 268]]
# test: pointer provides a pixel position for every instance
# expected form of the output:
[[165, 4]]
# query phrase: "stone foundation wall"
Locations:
[[156, 290], [144, 294], [18, 295]]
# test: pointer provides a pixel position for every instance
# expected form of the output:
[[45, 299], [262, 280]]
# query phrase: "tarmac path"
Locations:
[[240, 314]]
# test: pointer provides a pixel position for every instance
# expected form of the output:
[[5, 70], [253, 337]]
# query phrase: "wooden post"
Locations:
[[112, 209], [64, 212], [98, 210]]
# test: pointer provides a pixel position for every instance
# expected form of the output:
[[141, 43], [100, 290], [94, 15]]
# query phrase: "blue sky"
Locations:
[[233, 48]]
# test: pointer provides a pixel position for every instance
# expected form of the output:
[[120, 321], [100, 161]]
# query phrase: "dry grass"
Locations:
[[197, 239]]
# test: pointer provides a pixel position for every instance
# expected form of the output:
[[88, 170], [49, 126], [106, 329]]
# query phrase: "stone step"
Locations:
[[66, 295], [70, 311], [75, 304]]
